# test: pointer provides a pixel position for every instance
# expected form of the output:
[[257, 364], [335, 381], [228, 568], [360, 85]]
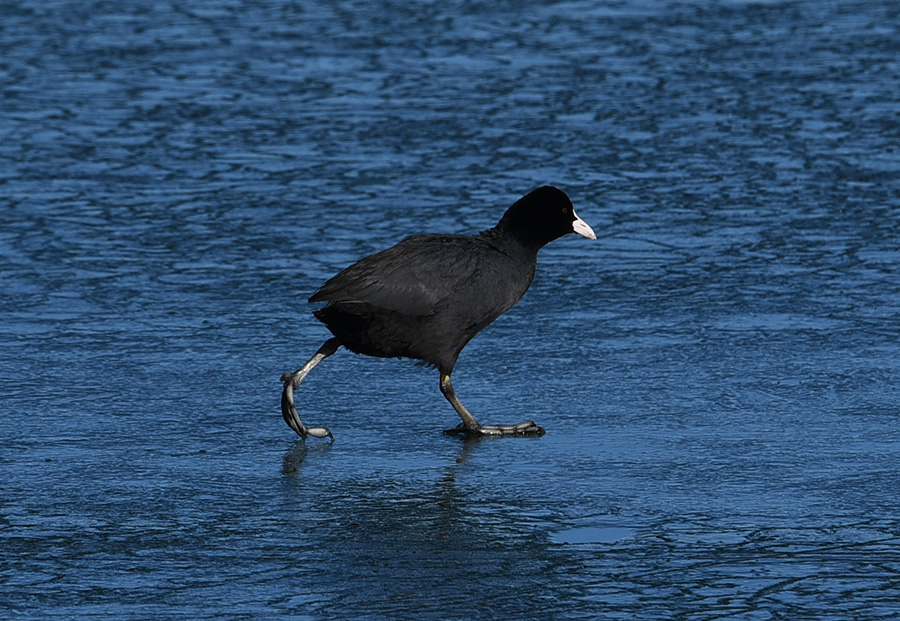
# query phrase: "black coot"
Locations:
[[426, 297]]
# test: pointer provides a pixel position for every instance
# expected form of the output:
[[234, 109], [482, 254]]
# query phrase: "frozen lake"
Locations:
[[717, 374]]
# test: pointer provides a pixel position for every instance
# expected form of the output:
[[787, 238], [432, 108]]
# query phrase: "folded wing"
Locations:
[[414, 277]]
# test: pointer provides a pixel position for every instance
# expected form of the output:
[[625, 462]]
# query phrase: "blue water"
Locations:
[[717, 373]]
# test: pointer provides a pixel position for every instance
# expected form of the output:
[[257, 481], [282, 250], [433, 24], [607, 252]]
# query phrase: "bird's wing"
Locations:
[[412, 277]]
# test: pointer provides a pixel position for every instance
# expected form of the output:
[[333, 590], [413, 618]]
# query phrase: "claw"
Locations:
[[471, 428], [292, 417], [288, 410], [528, 428], [292, 381], [320, 432]]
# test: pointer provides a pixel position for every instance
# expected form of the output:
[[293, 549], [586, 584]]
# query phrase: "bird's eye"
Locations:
[[565, 210]]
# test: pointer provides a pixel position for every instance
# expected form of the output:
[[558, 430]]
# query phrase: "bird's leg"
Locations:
[[293, 380], [472, 428]]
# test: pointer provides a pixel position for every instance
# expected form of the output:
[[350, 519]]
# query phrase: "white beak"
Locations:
[[581, 227]]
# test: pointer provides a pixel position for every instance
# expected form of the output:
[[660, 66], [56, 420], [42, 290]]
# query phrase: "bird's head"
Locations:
[[543, 215]]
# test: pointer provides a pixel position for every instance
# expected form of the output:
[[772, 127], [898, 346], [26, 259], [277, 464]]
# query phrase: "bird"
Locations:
[[428, 296]]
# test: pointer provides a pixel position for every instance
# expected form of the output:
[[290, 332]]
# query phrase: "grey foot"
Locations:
[[292, 381], [471, 428], [528, 428], [292, 417]]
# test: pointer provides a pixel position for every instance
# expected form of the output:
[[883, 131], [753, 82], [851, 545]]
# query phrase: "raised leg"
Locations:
[[293, 380], [472, 428]]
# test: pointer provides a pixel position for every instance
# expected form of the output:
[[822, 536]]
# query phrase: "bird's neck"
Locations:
[[512, 242]]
